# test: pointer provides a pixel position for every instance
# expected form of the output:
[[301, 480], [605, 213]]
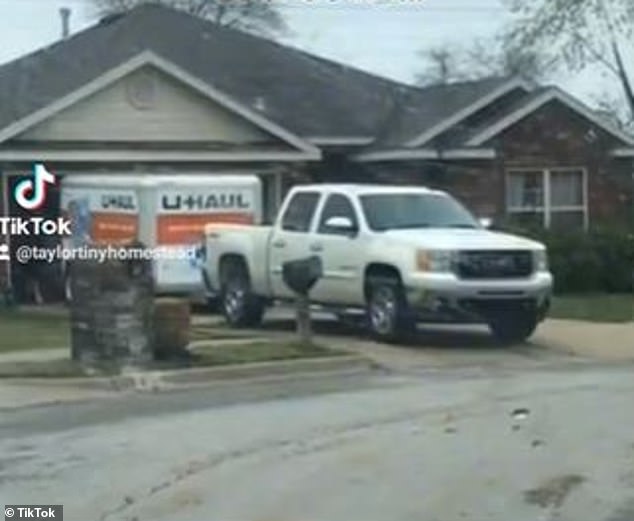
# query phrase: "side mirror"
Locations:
[[341, 224], [486, 222]]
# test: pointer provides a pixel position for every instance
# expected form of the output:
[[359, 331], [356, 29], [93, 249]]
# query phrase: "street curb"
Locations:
[[178, 378]]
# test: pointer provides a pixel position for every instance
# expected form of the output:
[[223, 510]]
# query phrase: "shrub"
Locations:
[[601, 260]]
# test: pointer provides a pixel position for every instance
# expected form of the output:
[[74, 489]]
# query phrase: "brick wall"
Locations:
[[557, 136], [479, 185], [552, 136]]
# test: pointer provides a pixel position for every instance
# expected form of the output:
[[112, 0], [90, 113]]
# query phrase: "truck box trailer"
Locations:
[[166, 212]]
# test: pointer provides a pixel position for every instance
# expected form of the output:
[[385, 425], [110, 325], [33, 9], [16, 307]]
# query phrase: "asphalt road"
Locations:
[[522, 443]]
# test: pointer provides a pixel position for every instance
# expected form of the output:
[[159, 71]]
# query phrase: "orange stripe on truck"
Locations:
[[189, 228], [113, 228]]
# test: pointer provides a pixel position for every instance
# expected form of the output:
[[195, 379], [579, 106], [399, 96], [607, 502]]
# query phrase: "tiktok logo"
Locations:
[[31, 194]]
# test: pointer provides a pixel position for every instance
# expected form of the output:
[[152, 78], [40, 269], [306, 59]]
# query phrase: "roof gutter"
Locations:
[[326, 141], [425, 154]]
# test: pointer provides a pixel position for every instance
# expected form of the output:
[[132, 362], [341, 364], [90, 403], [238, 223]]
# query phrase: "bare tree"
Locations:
[[496, 57], [257, 16], [580, 33], [481, 59], [442, 66], [613, 109]]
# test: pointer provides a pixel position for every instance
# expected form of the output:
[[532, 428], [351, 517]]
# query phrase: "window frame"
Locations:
[[312, 217], [320, 221], [547, 209]]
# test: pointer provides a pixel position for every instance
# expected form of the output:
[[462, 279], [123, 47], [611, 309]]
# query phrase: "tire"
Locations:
[[68, 288], [387, 311], [350, 321], [213, 305], [512, 326], [240, 306]]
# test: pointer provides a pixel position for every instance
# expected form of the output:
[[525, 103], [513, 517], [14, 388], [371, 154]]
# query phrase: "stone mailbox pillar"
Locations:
[[300, 276], [111, 309]]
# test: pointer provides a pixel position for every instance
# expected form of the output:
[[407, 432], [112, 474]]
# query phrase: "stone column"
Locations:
[[111, 310]]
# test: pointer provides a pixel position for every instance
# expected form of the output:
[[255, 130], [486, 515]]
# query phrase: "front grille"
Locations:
[[494, 264]]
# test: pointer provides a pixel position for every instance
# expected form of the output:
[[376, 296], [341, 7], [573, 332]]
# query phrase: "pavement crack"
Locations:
[[553, 492], [324, 439]]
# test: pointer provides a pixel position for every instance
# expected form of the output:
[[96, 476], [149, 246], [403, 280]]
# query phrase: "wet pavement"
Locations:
[[521, 444], [446, 427]]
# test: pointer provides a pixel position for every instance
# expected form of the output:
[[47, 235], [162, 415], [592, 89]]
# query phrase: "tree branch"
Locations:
[[598, 56], [625, 80]]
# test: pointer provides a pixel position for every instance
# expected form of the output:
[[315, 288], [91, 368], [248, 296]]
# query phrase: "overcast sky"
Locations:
[[382, 36]]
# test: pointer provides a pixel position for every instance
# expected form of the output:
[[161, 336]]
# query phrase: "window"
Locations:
[[393, 211], [552, 198], [337, 205], [299, 213]]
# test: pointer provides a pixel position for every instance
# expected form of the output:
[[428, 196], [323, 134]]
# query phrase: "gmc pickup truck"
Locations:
[[401, 255]]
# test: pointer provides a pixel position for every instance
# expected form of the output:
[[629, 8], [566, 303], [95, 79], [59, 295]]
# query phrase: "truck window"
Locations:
[[299, 213], [337, 205]]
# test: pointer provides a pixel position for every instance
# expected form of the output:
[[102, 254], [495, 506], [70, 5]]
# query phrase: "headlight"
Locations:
[[435, 260], [541, 260]]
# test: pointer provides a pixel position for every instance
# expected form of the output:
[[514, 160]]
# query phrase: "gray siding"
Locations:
[[130, 111]]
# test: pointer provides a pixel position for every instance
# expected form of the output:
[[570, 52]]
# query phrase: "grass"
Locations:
[[45, 369], [260, 351], [594, 308], [32, 329], [216, 333], [20, 330], [214, 355]]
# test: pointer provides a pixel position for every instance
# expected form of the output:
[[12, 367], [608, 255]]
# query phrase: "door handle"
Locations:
[[280, 243], [316, 247]]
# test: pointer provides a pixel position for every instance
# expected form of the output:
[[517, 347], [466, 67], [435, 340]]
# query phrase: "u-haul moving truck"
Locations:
[[161, 211]]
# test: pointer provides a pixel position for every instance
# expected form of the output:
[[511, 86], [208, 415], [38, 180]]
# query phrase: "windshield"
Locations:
[[400, 211]]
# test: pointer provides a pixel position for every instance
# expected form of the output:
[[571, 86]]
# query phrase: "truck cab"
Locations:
[[400, 254]]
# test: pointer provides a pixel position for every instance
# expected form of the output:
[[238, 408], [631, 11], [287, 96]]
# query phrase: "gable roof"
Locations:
[[416, 111], [300, 92], [450, 104], [305, 94], [148, 58], [304, 99], [532, 103]]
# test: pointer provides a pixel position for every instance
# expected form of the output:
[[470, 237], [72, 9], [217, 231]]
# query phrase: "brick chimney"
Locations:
[[64, 13]]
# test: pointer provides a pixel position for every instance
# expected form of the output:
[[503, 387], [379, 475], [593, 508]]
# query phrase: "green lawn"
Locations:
[[26, 330], [214, 355], [595, 308], [259, 351], [48, 369]]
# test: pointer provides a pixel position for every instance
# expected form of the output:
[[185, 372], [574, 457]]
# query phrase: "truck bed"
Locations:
[[248, 241]]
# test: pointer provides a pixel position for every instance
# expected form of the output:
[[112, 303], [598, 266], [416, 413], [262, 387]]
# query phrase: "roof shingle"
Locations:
[[308, 95]]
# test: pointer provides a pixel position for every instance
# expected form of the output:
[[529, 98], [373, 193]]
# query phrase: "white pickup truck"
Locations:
[[401, 254]]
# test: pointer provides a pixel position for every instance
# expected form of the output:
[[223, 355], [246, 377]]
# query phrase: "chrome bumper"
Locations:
[[445, 296]]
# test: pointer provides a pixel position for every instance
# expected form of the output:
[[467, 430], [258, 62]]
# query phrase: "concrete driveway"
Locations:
[[464, 346], [602, 341]]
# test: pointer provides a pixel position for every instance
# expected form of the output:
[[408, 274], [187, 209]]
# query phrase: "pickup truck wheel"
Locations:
[[387, 310], [68, 290], [512, 326], [240, 306], [213, 305]]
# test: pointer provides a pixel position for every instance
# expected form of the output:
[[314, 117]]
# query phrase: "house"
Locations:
[[157, 90]]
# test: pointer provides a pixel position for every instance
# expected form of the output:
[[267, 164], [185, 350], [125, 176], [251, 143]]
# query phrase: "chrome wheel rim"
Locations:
[[68, 291], [383, 311], [234, 302]]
